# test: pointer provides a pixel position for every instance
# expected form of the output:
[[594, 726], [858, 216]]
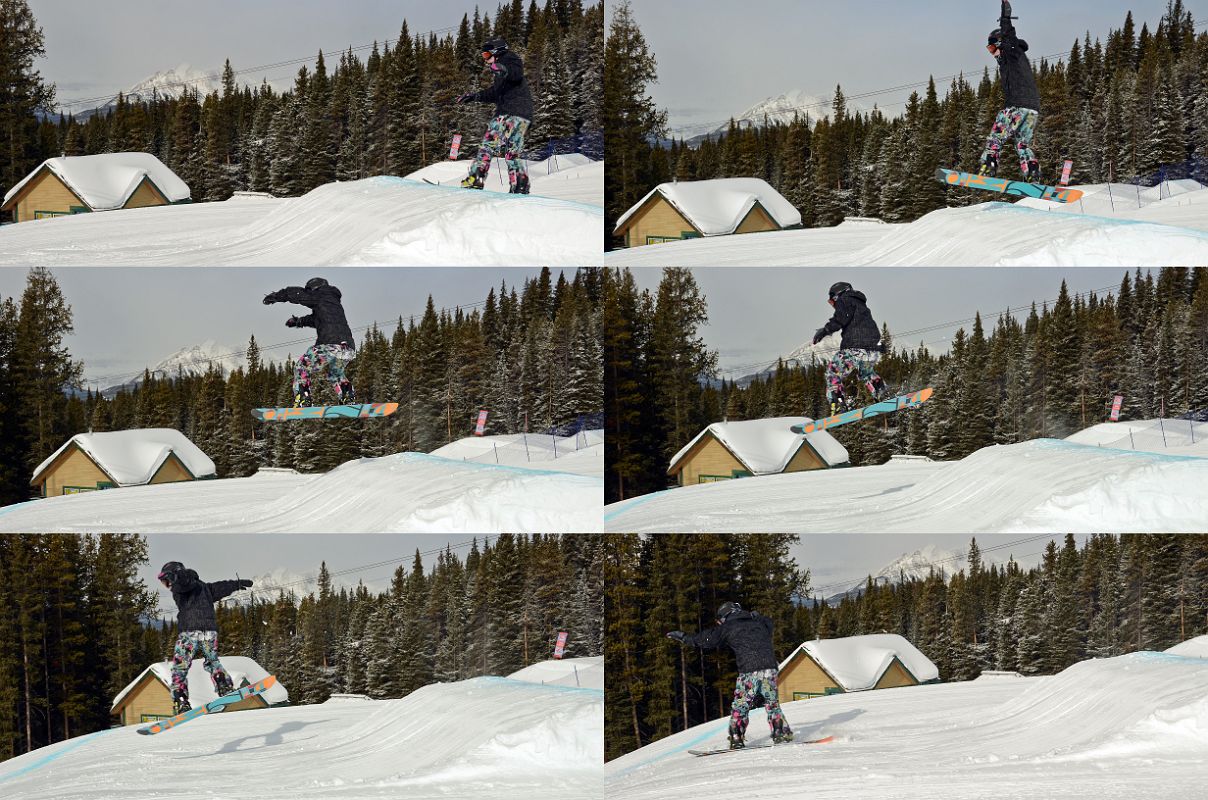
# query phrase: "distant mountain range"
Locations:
[[781, 108], [194, 360], [166, 83], [910, 566]]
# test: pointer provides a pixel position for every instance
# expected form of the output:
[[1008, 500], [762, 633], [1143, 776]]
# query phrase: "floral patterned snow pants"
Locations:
[[332, 357], [749, 686], [1013, 123], [504, 138], [188, 644], [843, 363]]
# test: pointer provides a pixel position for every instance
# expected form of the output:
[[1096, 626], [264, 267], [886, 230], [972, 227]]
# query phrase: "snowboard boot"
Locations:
[[736, 742], [302, 399], [472, 182], [223, 685], [989, 166], [521, 186], [347, 395], [878, 389], [180, 705], [1031, 173], [782, 737]]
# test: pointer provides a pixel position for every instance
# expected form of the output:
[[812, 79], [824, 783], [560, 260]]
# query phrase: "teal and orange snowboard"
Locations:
[[212, 707], [876, 409], [1057, 194], [354, 411]]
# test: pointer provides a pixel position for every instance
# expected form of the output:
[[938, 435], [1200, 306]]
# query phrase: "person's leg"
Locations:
[[740, 711], [492, 145], [302, 372], [999, 134], [1023, 129], [207, 646], [781, 732], [838, 368], [337, 360], [868, 374], [182, 659], [514, 132]]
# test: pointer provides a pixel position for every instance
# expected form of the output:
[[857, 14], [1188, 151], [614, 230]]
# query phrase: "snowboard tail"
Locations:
[[1003, 186], [874, 410], [824, 740], [213, 707], [354, 411]]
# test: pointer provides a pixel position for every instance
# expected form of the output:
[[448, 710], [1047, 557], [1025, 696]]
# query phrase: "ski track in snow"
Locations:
[[407, 492], [370, 222], [1041, 485], [485, 737], [1130, 727]]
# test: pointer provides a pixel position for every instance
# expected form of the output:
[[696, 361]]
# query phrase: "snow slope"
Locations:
[[371, 222], [1134, 726], [1043, 485], [586, 672], [582, 454], [1038, 233], [483, 737], [1173, 436], [402, 493]]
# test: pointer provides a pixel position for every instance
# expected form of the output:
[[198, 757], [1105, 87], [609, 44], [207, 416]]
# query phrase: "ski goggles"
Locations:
[[166, 578], [993, 48], [487, 55]]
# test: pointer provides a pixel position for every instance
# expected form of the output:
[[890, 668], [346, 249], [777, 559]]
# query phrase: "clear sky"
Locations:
[[127, 319], [717, 58], [95, 49], [759, 313]]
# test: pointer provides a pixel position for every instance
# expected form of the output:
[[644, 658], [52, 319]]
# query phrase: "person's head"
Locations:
[[315, 283], [493, 49], [992, 42], [836, 290], [726, 610], [168, 574]]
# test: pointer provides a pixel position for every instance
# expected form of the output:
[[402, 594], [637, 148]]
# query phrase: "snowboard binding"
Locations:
[[521, 186], [472, 182]]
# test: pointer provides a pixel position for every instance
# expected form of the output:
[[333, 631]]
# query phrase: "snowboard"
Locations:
[[1004, 186], [212, 707], [355, 411], [856, 414], [824, 740]]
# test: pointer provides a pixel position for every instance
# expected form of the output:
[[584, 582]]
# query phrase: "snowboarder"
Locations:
[[859, 349], [198, 629], [334, 346], [749, 635], [1018, 118], [513, 115]]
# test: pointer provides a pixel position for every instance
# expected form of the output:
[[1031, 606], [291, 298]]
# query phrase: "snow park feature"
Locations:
[[381, 221], [1040, 485], [505, 738], [486, 484], [1127, 727]]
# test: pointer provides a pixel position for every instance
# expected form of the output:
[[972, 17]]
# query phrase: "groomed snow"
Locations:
[[1172, 436], [402, 493], [1123, 728], [858, 662], [201, 688], [765, 446], [1192, 648], [132, 457], [582, 454], [486, 737], [718, 206], [106, 181], [1171, 232], [1036, 486], [383, 221], [587, 673]]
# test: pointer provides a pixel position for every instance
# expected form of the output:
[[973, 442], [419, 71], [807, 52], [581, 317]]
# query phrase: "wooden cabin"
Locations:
[[853, 664], [726, 450], [91, 461], [149, 696], [694, 209], [81, 184]]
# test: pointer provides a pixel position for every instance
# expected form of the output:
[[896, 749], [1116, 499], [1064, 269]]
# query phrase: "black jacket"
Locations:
[[748, 634], [860, 330], [327, 313], [510, 91], [195, 600], [1018, 83]]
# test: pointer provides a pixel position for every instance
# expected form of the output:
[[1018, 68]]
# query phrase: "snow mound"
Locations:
[[507, 739], [133, 457], [582, 454], [377, 221], [1036, 486], [580, 672], [572, 177], [406, 492], [1173, 436], [1196, 647]]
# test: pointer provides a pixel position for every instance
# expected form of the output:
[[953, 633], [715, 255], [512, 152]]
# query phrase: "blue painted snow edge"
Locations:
[[62, 750]]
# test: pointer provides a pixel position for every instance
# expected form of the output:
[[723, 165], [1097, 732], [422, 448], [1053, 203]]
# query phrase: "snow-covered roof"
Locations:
[[858, 662], [107, 180], [765, 446], [132, 457], [201, 689], [587, 673], [717, 207], [1196, 647]]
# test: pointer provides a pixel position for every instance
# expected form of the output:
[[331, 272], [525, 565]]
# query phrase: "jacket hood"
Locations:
[[859, 295]]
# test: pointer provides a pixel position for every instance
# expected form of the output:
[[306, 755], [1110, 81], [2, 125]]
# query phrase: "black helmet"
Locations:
[[838, 289], [995, 37], [315, 283], [167, 575], [495, 46], [726, 610]]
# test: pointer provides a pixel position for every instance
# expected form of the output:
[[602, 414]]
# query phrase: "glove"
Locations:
[[292, 322], [245, 584], [819, 335], [677, 636], [464, 98], [273, 297]]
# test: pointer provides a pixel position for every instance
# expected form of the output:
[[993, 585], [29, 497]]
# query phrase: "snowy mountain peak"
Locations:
[[783, 107], [173, 83], [198, 358]]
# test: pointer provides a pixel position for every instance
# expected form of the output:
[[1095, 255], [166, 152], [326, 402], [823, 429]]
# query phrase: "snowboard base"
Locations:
[[354, 411], [823, 740], [213, 707], [874, 410], [1003, 186]]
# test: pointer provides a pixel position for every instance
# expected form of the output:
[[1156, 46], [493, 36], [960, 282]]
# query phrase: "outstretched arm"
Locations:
[[1005, 27], [710, 639], [221, 589], [292, 294]]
